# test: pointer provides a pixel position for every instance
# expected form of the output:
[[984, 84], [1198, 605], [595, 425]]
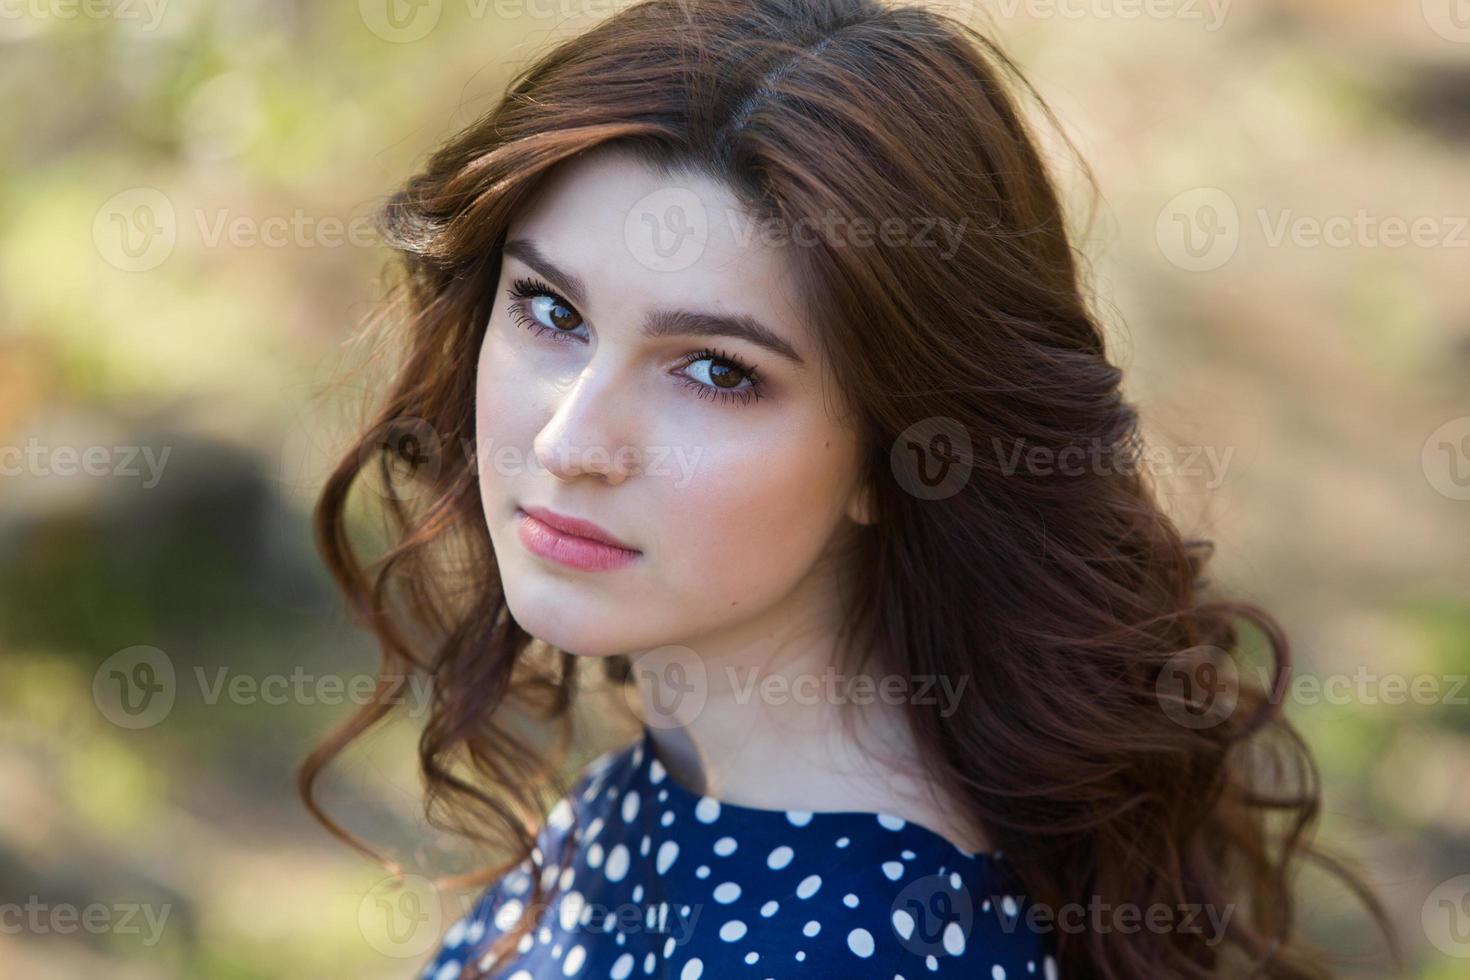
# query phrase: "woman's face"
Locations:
[[623, 381]]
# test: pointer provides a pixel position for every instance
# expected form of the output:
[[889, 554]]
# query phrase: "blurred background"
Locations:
[[1281, 253]]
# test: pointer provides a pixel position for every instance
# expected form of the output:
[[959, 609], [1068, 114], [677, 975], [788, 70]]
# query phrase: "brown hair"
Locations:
[[1068, 596]]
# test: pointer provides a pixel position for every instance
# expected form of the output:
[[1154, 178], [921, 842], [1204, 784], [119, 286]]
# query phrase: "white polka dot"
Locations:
[[707, 810], [667, 818], [656, 772], [725, 846], [630, 805], [954, 939], [850, 900], [693, 970], [622, 967], [799, 818], [811, 928], [860, 941], [456, 932], [448, 971], [732, 930], [1049, 968], [521, 975], [808, 886], [617, 864], [508, 914], [843, 841], [893, 870], [954, 879], [769, 909], [903, 924], [752, 957], [560, 817], [889, 822], [1008, 906], [574, 961], [931, 961], [997, 972], [779, 858], [726, 892], [571, 910], [648, 962], [594, 856], [667, 851]]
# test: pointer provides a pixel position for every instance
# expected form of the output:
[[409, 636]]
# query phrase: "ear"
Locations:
[[860, 506]]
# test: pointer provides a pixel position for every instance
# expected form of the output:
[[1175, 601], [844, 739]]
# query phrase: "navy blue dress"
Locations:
[[663, 882]]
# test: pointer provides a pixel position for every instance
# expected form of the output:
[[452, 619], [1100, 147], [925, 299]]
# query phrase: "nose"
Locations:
[[585, 434]]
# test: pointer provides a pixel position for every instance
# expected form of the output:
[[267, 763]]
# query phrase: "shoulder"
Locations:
[[576, 813], [962, 919]]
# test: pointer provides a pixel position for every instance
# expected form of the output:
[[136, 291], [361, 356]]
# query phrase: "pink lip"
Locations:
[[576, 543]]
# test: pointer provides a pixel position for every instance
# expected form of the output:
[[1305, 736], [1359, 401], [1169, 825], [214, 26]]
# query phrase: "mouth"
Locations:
[[571, 541]]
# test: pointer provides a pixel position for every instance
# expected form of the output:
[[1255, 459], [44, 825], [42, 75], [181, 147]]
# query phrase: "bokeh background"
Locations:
[[1281, 252]]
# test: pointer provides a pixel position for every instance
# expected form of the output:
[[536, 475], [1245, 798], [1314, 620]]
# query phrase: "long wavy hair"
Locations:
[[1070, 598]]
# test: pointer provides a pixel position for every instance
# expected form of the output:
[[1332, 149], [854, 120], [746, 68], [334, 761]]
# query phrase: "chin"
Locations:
[[566, 619]]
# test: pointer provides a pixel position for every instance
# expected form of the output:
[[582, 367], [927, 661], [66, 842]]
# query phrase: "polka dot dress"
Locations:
[[663, 882]]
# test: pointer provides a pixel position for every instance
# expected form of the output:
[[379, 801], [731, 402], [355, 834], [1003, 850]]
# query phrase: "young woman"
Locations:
[[748, 359]]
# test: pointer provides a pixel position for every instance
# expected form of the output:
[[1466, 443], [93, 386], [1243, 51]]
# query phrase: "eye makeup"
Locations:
[[537, 307]]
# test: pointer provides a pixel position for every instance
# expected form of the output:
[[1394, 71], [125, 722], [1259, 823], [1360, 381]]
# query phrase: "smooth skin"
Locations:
[[742, 506]]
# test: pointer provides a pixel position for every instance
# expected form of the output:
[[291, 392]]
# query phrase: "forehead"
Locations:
[[638, 238]]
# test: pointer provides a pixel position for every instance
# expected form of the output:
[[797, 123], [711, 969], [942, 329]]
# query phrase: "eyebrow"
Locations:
[[661, 322]]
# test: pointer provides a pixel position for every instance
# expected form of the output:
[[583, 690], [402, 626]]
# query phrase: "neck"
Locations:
[[770, 737]]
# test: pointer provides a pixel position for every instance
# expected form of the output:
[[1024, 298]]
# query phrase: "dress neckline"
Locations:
[[652, 773]]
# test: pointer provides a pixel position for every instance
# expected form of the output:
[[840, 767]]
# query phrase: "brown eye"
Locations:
[[724, 375], [714, 373], [552, 313]]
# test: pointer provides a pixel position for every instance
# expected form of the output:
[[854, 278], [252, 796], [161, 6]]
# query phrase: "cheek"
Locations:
[[755, 514], [499, 389]]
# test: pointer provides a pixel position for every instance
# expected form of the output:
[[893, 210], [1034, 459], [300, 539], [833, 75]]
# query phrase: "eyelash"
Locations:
[[524, 290]]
